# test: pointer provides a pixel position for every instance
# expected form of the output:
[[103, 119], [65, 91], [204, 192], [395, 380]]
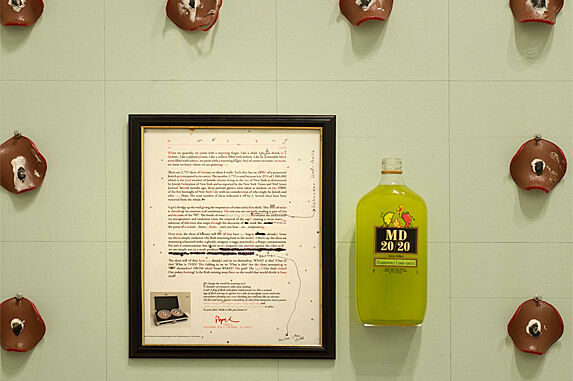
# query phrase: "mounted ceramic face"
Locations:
[[22, 326], [538, 164], [22, 166], [535, 326], [20, 12], [358, 11], [536, 10], [194, 14]]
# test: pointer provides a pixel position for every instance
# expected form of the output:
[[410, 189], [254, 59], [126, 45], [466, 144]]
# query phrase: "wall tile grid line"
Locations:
[[454, 88]]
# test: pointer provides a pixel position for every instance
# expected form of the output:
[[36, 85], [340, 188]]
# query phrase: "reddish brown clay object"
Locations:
[[538, 164], [20, 12], [358, 11], [536, 10], [535, 326], [194, 14], [22, 326], [22, 166]]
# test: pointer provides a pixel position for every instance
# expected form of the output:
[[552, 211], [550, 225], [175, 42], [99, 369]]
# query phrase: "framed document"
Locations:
[[231, 236]]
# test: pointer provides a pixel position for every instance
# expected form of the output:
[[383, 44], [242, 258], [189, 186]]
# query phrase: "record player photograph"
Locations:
[[168, 309]]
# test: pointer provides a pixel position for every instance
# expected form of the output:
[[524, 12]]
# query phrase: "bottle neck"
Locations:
[[392, 178]]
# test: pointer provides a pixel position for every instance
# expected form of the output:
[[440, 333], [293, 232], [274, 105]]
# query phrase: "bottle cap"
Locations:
[[391, 165]]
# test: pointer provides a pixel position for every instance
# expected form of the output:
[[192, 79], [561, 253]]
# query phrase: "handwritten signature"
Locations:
[[222, 320], [295, 338]]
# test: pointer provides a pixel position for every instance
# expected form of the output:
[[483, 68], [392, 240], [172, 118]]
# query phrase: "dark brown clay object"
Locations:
[[194, 14], [535, 326], [538, 164], [358, 11], [22, 326], [536, 10], [20, 12], [22, 166]]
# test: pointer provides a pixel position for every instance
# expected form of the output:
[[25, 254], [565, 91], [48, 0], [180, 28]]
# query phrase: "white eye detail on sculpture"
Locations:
[[17, 326], [365, 4], [539, 5], [533, 328], [538, 166], [17, 5], [191, 7]]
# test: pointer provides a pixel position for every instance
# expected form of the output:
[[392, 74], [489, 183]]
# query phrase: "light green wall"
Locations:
[[453, 87]]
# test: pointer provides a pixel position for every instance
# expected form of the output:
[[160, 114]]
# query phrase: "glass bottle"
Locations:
[[391, 252]]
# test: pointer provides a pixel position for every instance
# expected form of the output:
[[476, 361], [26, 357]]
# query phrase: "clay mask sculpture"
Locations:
[[22, 326], [22, 166], [194, 14], [536, 10], [535, 326], [358, 11], [20, 12], [538, 164]]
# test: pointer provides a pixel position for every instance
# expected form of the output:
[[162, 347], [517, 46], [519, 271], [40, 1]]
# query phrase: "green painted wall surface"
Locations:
[[453, 87]]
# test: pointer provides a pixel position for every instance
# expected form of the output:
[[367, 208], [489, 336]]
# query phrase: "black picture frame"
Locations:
[[327, 125]]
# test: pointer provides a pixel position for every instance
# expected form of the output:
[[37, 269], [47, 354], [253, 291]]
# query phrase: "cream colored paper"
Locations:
[[232, 226]]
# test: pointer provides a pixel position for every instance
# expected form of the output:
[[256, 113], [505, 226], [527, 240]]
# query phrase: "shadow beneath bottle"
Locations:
[[383, 351], [397, 349]]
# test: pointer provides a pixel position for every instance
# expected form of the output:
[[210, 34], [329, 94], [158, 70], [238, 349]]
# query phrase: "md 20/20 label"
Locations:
[[396, 240]]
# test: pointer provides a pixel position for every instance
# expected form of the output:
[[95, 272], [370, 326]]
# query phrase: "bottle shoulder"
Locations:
[[419, 198], [372, 193], [389, 192]]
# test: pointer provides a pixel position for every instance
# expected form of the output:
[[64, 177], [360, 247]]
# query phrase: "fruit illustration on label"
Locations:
[[407, 219], [388, 218]]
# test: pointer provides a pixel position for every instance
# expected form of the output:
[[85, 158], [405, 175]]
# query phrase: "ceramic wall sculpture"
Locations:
[[22, 166], [544, 11], [535, 326], [194, 14], [22, 326], [538, 164], [20, 12], [358, 11]]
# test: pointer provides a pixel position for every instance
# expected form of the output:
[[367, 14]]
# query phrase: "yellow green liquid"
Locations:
[[390, 295]]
